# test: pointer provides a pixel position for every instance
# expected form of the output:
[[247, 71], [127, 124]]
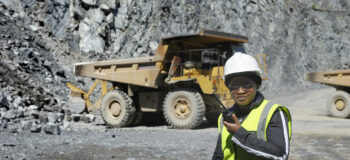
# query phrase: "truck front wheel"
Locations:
[[117, 109], [339, 104], [183, 109]]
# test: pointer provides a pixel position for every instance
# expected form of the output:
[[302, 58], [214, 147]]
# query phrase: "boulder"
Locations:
[[26, 125], [52, 129], [89, 32], [4, 102], [33, 107], [35, 128], [34, 114], [10, 114], [87, 118], [52, 117], [89, 2]]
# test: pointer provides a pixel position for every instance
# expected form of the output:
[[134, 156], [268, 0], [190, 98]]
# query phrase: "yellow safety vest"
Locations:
[[256, 121]]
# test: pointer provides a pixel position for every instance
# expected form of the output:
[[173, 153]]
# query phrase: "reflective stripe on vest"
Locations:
[[256, 122]]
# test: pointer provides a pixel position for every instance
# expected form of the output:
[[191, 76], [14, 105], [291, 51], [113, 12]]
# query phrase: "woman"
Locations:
[[258, 129]]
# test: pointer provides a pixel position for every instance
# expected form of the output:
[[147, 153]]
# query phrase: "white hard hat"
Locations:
[[241, 63]]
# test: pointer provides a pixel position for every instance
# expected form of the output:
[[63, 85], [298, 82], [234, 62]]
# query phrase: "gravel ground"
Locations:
[[316, 136], [149, 143], [126, 143]]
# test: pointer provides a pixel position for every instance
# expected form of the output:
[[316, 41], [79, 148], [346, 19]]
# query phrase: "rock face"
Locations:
[[90, 30], [297, 36], [41, 40]]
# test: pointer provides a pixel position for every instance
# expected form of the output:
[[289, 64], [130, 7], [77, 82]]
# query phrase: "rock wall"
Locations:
[[297, 36]]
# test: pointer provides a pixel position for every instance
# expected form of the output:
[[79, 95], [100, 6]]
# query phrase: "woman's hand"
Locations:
[[233, 127]]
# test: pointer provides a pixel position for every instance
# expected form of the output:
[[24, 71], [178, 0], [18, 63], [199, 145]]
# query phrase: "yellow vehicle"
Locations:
[[183, 80], [338, 104]]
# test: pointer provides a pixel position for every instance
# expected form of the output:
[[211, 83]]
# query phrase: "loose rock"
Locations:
[[52, 129]]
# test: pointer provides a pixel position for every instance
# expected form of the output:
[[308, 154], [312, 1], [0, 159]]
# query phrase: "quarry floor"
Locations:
[[316, 136]]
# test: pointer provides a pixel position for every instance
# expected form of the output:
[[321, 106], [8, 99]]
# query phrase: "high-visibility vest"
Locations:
[[256, 121]]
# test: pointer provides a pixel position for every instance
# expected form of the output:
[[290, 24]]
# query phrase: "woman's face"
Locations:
[[243, 90]]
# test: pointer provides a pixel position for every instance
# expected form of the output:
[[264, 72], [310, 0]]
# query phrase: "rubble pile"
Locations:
[[32, 83]]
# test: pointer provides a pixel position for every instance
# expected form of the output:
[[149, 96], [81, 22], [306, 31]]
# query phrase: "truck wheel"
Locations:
[[212, 117], [339, 104], [117, 109], [183, 109]]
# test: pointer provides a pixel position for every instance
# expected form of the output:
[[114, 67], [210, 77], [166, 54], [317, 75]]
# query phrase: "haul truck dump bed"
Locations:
[[339, 78], [338, 103], [136, 71]]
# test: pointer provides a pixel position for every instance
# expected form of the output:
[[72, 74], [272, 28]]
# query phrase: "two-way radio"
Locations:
[[226, 114]]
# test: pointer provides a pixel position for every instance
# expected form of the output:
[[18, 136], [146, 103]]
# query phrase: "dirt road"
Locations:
[[315, 136]]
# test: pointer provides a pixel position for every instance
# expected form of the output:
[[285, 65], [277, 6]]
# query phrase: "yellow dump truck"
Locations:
[[183, 80], [338, 104]]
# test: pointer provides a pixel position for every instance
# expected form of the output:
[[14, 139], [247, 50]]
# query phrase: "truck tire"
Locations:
[[212, 117], [183, 109], [339, 104], [117, 109]]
